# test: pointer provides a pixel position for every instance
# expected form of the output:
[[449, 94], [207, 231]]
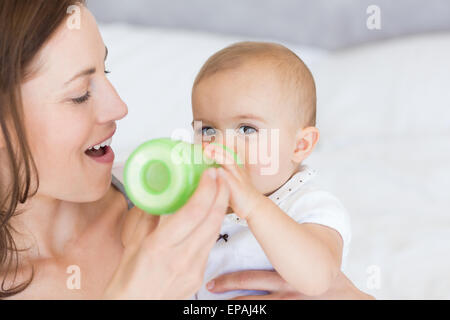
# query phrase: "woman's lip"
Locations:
[[109, 136], [108, 157]]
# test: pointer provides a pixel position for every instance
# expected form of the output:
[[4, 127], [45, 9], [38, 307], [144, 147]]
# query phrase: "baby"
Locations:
[[259, 100]]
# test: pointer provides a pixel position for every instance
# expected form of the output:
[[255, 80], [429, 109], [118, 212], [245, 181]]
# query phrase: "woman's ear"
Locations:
[[305, 143]]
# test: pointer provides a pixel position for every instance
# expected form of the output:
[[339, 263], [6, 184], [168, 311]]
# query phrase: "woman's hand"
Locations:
[[270, 281], [167, 261]]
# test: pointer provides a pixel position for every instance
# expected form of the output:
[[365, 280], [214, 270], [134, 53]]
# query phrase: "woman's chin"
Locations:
[[98, 188]]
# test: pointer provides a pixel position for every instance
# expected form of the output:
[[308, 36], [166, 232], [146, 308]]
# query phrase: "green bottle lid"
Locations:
[[161, 174]]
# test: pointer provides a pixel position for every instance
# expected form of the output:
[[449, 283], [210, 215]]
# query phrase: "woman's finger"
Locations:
[[185, 221], [263, 280], [205, 235]]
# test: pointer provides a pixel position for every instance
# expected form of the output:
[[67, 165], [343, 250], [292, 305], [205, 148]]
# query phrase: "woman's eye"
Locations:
[[208, 131], [107, 72], [82, 99], [247, 130]]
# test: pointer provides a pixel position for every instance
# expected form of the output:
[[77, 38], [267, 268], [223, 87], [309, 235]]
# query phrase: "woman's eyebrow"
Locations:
[[86, 72], [81, 74]]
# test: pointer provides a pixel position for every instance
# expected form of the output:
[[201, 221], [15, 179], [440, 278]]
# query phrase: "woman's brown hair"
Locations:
[[25, 26]]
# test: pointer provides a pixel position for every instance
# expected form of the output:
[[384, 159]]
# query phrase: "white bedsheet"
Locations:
[[384, 115]]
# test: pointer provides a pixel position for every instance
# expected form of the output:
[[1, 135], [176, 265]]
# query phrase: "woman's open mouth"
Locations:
[[101, 152]]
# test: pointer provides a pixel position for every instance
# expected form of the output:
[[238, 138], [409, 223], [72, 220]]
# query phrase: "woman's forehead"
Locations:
[[68, 50]]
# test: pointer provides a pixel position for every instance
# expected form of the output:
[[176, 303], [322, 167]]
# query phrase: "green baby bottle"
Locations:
[[161, 174]]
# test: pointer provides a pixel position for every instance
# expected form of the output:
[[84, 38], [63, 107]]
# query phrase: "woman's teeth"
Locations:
[[101, 145]]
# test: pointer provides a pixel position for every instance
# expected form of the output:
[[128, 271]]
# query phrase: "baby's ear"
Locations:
[[305, 142]]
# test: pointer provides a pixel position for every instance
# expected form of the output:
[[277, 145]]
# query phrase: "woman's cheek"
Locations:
[[57, 143]]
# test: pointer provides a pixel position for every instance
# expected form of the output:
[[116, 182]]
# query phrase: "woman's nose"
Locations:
[[110, 106]]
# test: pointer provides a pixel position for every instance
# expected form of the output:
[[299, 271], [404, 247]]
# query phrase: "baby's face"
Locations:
[[243, 109]]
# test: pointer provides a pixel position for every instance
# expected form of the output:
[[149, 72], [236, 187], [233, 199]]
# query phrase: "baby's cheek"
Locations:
[[266, 162], [270, 169], [262, 183], [249, 151]]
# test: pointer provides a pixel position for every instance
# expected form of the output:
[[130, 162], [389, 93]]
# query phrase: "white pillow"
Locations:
[[399, 87]]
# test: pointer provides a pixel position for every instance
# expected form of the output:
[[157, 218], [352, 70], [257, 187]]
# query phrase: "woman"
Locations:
[[60, 215]]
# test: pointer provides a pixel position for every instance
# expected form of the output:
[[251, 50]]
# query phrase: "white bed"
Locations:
[[384, 115]]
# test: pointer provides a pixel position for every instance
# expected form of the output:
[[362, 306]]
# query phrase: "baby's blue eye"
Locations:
[[247, 130], [208, 131]]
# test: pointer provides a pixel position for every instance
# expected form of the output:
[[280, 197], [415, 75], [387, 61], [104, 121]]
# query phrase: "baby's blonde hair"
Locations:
[[296, 76]]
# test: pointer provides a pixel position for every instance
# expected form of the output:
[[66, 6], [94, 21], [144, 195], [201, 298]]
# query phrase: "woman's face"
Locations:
[[70, 106]]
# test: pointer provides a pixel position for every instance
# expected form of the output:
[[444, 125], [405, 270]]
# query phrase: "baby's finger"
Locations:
[[224, 158], [218, 152]]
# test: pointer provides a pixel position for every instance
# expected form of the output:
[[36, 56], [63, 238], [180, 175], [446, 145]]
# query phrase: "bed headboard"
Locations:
[[323, 23]]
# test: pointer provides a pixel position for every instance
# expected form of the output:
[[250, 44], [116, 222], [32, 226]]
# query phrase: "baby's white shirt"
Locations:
[[303, 201]]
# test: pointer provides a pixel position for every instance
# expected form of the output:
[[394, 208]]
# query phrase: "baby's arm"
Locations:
[[307, 256]]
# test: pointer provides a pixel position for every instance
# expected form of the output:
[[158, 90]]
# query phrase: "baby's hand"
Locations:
[[244, 197]]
